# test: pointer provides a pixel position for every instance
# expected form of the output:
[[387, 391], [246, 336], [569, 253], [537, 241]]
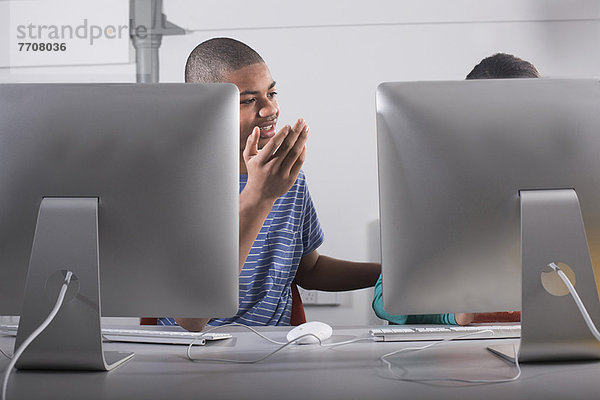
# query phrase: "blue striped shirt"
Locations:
[[291, 231]]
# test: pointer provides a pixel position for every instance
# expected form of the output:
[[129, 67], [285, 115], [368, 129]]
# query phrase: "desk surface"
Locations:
[[307, 372]]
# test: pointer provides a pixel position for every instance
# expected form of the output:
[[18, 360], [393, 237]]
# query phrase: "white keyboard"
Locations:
[[161, 336], [410, 333]]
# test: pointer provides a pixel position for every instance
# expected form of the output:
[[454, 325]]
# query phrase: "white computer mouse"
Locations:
[[319, 329]]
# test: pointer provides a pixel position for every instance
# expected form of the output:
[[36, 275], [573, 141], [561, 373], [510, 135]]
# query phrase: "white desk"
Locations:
[[306, 373]]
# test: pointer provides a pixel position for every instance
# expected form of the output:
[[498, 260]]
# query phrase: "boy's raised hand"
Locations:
[[273, 170]]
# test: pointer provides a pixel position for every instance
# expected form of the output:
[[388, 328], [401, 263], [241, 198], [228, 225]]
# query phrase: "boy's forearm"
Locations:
[[331, 274]]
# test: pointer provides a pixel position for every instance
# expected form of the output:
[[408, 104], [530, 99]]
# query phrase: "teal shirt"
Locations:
[[446, 319]]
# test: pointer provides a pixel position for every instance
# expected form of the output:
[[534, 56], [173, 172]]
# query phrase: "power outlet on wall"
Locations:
[[308, 296], [315, 297]]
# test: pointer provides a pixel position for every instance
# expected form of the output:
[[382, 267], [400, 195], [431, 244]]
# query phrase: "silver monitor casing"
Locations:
[[453, 159], [162, 160]]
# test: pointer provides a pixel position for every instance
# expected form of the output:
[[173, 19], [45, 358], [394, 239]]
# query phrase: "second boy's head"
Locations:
[[503, 66], [229, 60]]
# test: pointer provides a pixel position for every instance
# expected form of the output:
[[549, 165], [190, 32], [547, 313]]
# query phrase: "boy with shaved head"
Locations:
[[279, 228]]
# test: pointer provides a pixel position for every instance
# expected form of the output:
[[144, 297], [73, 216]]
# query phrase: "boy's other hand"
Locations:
[[464, 318], [478, 318]]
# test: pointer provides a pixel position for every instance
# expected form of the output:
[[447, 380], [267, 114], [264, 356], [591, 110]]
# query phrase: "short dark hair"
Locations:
[[501, 66], [212, 59]]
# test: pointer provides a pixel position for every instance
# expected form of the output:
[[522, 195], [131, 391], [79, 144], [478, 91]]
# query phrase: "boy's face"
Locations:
[[258, 102]]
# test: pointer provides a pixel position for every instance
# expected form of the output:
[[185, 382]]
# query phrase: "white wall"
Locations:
[[328, 57]]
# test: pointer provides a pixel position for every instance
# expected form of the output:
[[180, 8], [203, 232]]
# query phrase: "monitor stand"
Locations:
[[552, 328], [66, 237]]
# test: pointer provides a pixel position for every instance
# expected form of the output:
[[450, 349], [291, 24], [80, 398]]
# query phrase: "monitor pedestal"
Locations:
[[66, 237], [552, 328]]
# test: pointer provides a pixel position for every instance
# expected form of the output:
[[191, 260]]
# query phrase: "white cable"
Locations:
[[383, 358], [331, 345], [251, 329], [213, 328], [400, 377], [580, 305], [36, 332], [285, 344], [225, 360], [282, 345], [189, 349]]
